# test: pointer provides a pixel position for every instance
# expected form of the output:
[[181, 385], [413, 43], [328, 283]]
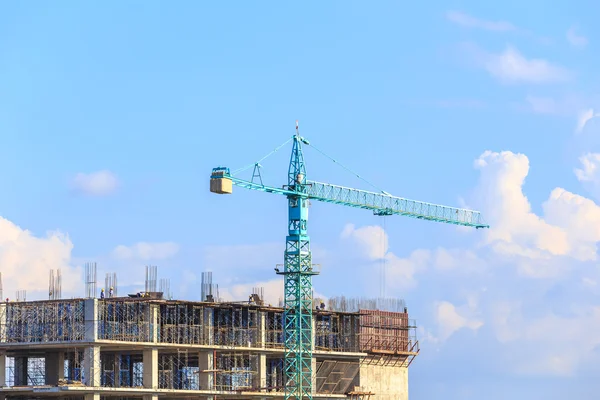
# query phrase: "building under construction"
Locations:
[[147, 346]]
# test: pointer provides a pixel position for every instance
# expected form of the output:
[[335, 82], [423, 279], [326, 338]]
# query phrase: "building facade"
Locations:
[[145, 348]]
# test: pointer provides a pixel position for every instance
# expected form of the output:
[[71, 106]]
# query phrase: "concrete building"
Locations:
[[150, 348]]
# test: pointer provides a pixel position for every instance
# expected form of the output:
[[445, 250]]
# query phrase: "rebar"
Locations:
[[151, 273], [110, 285], [90, 280], [165, 288], [355, 304], [55, 285]]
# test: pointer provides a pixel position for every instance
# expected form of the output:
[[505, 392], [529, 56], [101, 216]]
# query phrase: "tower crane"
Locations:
[[298, 268]]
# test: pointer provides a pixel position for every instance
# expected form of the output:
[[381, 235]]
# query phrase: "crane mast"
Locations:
[[298, 268], [298, 272]]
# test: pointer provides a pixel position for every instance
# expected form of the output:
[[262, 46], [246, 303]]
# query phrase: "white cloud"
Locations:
[[516, 229], [450, 319], [372, 240], [589, 172], [26, 260], [468, 21], [100, 183], [146, 251], [510, 66], [584, 117], [548, 344], [575, 39]]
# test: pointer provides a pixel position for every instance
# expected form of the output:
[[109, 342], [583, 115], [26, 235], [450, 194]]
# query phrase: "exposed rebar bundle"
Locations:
[[151, 273], [110, 284], [165, 288], [90, 280], [355, 304], [55, 285], [208, 291]]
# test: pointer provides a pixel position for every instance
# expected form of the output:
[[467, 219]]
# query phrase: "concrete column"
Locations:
[[91, 319], [206, 363], [55, 367], [2, 370], [91, 366], [21, 371], [3, 325], [313, 367], [262, 328], [154, 328], [313, 334], [209, 337], [150, 358], [92, 396], [262, 370]]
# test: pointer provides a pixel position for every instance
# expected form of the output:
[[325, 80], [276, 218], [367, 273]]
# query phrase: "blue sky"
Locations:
[[112, 116]]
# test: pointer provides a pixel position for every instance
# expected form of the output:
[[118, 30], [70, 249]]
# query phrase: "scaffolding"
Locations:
[[125, 320], [236, 371], [49, 321], [121, 370], [273, 329], [178, 370], [236, 326], [336, 332], [185, 323]]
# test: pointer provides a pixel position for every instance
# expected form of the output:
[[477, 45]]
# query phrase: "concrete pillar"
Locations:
[[21, 371], [92, 396], [2, 370], [154, 328], [206, 363], [91, 319], [3, 325], [150, 378], [262, 328], [262, 370], [91, 366], [313, 367], [313, 334], [209, 337], [55, 367]]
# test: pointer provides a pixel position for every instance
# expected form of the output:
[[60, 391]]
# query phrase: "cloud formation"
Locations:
[[145, 251], [511, 67], [527, 288], [469, 21], [26, 259], [450, 319], [584, 117], [575, 39], [100, 183]]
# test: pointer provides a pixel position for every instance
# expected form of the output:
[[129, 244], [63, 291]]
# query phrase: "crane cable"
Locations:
[[349, 170], [237, 171]]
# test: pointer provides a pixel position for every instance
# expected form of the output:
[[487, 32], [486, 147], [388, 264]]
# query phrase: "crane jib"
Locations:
[[298, 268]]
